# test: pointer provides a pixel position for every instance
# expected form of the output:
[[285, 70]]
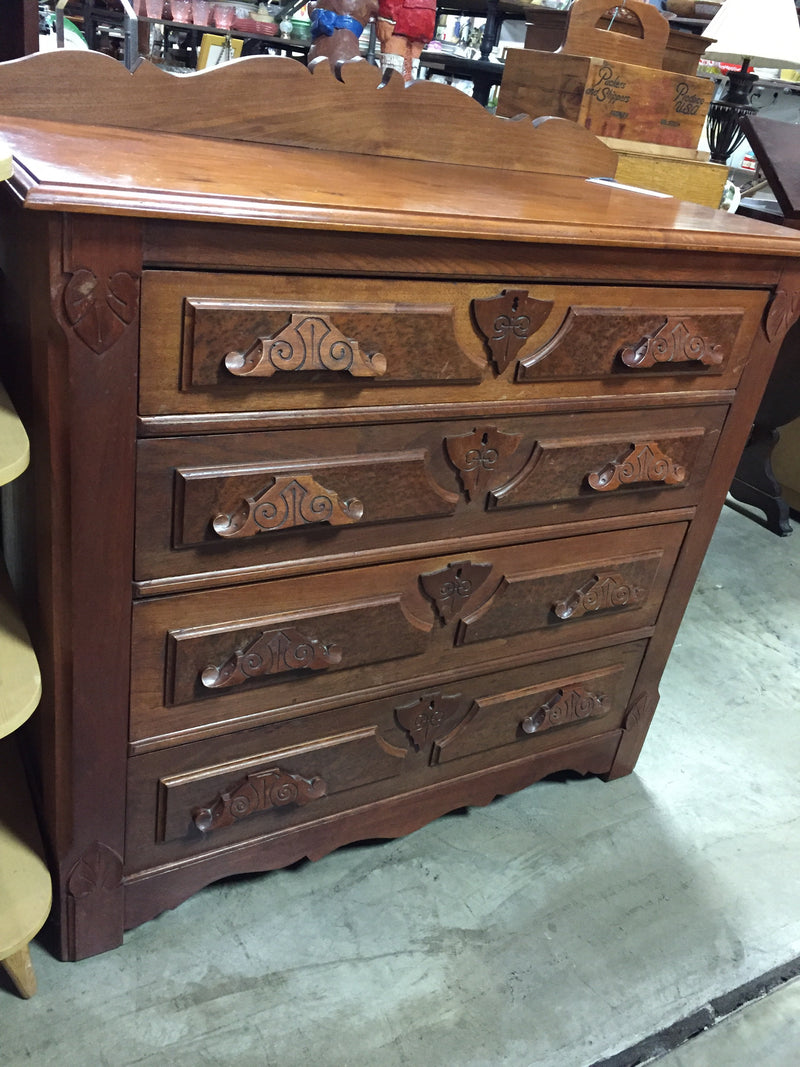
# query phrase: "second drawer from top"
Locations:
[[233, 507]]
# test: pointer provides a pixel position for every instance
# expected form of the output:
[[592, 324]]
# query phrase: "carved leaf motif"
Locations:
[[602, 592], [431, 717], [644, 462], [643, 706], [565, 706], [291, 500], [98, 868], [452, 587], [677, 341], [307, 343], [272, 788], [477, 456], [782, 312], [272, 652], [507, 321], [99, 310]]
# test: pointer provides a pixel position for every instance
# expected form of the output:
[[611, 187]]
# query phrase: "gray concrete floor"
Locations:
[[557, 927]]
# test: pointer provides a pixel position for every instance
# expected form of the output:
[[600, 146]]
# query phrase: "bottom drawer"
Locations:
[[260, 784]]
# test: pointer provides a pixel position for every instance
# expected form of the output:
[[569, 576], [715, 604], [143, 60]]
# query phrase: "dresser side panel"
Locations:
[[77, 392]]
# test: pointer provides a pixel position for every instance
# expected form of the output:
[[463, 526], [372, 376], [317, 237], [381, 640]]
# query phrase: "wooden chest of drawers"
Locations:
[[366, 484]]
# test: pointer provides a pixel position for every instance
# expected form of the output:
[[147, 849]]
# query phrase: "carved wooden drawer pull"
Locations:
[[307, 343], [272, 652], [644, 462], [273, 788], [291, 500], [677, 341], [565, 705], [602, 592]]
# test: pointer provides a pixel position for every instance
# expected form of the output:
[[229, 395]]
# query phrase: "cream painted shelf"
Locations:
[[25, 887], [20, 683], [14, 451]]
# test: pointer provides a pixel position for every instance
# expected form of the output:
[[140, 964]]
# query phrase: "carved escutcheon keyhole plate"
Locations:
[[477, 456], [507, 321], [451, 588]]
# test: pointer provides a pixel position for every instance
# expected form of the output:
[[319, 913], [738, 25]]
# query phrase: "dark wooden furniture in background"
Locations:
[[366, 484], [20, 29], [483, 73], [776, 146]]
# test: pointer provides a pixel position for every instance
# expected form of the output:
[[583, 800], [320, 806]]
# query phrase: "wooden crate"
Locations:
[[611, 83], [546, 27]]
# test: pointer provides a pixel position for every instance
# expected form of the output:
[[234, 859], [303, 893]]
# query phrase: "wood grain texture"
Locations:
[[354, 111], [95, 169]]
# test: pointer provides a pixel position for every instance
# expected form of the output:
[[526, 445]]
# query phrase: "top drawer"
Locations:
[[230, 342]]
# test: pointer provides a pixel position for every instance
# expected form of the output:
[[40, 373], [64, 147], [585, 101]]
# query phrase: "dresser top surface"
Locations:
[[131, 172], [269, 143]]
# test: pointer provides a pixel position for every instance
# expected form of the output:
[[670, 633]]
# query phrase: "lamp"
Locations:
[[765, 33]]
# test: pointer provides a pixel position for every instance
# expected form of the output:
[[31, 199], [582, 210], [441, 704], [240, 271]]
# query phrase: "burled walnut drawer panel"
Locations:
[[291, 500], [205, 795], [215, 661], [229, 342]]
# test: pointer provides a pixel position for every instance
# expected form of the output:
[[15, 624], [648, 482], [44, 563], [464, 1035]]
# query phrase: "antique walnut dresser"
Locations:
[[375, 451]]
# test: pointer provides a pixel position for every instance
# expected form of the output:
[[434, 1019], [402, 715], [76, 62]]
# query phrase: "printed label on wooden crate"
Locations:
[[622, 100]]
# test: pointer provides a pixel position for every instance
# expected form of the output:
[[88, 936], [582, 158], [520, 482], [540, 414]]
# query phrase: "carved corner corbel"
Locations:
[[781, 314], [260, 791], [94, 902], [479, 455], [97, 870], [640, 711], [306, 343], [635, 724], [291, 500], [99, 309], [644, 462], [507, 321], [271, 652]]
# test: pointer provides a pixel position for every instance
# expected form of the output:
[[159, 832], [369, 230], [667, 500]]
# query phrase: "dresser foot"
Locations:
[[20, 970]]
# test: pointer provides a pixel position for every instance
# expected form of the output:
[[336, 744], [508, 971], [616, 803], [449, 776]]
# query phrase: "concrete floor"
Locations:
[[562, 926]]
